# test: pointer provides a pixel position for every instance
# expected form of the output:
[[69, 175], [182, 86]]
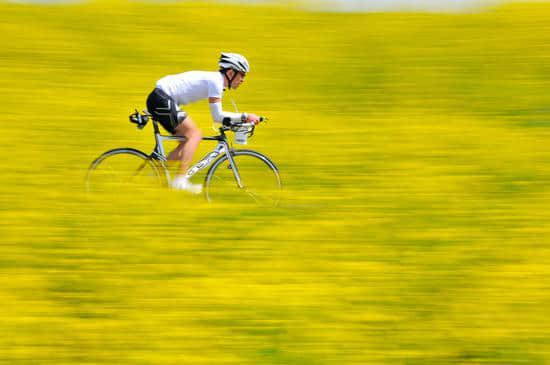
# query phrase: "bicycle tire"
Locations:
[[122, 168], [261, 185]]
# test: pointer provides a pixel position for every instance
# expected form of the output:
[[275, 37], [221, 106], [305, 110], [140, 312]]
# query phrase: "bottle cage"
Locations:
[[139, 119]]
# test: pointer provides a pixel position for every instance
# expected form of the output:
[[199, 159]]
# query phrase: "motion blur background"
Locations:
[[414, 152]]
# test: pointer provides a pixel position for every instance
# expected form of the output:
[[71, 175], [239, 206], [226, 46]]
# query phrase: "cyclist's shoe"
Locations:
[[182, 183]]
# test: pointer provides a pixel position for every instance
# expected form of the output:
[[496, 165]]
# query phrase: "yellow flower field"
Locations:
[[414, 150]]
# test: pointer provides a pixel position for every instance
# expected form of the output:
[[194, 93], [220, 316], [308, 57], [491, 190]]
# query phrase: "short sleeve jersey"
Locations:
[[191, 86]]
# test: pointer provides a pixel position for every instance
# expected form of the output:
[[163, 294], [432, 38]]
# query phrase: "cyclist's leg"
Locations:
[[186, 150], [176, 121]]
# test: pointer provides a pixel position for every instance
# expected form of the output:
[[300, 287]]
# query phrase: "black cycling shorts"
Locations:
[[165, 110]]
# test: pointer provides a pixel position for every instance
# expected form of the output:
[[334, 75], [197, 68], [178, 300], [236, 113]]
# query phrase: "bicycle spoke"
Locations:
[[121, 170], [260, 180]]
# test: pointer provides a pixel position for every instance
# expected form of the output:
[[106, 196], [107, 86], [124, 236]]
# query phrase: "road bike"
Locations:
[[240, 172]]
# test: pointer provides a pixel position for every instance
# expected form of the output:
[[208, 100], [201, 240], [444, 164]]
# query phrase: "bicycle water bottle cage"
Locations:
[[139, 119]]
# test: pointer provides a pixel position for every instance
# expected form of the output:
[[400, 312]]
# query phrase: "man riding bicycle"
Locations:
[[188, 87]]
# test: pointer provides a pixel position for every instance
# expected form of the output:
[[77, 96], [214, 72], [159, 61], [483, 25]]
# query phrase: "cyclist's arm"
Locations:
[[218, 115]]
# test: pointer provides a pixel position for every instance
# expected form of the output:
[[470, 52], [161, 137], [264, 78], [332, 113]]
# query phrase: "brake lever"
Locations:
[[251, 132]]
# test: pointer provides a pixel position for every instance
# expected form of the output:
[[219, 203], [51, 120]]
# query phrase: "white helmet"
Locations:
[[234, 61]]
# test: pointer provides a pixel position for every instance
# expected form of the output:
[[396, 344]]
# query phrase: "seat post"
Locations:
[[159, 148], [155, 127]]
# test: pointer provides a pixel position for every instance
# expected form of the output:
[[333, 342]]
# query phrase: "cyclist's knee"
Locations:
[[195, 134]]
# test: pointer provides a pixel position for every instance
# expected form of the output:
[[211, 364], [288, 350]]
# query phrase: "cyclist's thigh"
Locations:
[[165, 110], [187, 128]]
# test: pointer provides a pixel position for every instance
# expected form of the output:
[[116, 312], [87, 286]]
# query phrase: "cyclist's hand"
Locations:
[[253, 118]]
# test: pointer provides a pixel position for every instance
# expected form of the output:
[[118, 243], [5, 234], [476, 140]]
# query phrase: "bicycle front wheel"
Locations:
[[123, 169], [260, 180]]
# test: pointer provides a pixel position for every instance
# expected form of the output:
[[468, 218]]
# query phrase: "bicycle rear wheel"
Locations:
[[261, 182], [123, 169]]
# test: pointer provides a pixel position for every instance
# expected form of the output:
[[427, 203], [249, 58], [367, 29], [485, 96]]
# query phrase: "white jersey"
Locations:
[[191, 86]]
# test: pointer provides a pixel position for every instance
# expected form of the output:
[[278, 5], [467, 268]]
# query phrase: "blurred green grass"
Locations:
[[413, 149]]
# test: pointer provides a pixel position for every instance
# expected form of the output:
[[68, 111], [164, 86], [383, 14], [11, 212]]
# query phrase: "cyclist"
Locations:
[[188, 87]]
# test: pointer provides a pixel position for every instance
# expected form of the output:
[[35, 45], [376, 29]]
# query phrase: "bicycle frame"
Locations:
[[221, 148]]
